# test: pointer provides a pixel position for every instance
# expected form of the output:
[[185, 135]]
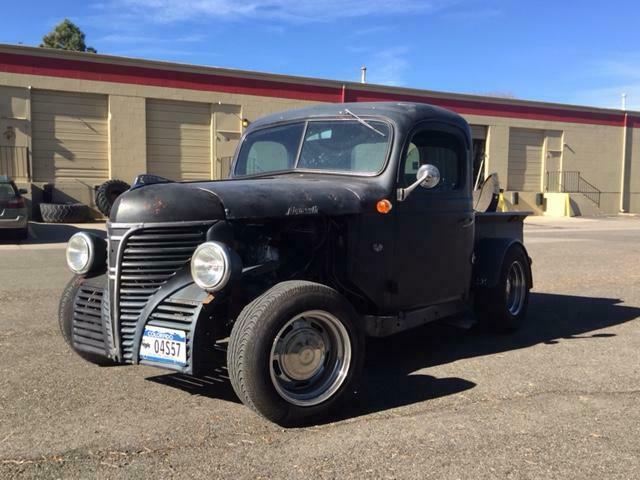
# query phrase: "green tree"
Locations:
[[66, 36]]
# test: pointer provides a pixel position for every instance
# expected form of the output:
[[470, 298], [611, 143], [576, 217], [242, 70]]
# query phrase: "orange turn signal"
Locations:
[[384, 206]]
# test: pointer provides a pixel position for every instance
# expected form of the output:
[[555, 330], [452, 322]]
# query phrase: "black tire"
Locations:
[[64, 212], [497, 309], [249, 359], [107, 194], [65, 317]]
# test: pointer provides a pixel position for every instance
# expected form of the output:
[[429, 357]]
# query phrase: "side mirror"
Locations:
[[23, 191], [428, 176]]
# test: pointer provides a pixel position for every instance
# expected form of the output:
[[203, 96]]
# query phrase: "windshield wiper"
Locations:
[[364, 122]]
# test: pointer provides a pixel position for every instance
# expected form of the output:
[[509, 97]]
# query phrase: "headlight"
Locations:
[[211, 266], [80, 253]]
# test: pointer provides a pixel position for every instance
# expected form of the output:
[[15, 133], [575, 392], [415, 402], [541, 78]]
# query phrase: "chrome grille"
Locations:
[[149, 258], [88, 332]]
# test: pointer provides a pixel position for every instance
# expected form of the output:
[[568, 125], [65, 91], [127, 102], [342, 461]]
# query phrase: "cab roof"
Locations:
[[402, 114]]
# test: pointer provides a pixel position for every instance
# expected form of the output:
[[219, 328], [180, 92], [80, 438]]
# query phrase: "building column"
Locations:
[[127, 137], [497, 153]]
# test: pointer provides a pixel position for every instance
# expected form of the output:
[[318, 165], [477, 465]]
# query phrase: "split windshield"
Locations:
[[328, 145]]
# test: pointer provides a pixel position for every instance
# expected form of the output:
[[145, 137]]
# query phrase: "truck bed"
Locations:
[[500, 225]]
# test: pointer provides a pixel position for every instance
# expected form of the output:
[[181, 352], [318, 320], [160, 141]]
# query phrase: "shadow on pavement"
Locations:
[[47, 233], [389, 380], [216, 384]]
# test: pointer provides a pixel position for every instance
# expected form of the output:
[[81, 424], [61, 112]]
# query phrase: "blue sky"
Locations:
[[582, 52]]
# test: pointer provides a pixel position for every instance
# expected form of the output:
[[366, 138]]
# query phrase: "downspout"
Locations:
[[623, 173], [343, 95]]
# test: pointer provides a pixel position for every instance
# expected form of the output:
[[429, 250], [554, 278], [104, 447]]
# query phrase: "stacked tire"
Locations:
[[64, 212], [108, 192]]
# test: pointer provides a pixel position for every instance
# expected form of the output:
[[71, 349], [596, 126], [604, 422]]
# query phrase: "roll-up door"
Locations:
[[69, 136], [179, 139], [525, 159]]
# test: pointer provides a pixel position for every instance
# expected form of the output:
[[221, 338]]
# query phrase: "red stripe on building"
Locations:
[[473, 107], [109, 72]]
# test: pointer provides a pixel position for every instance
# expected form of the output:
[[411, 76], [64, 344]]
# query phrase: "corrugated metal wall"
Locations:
[[70, 136], [525, 159], [179, 139]]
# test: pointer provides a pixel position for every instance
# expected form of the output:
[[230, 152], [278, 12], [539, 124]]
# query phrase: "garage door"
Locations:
[[179, 139], [69, 136], [525, 159]]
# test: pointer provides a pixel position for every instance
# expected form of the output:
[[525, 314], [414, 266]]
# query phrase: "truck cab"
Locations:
[[337, 222]]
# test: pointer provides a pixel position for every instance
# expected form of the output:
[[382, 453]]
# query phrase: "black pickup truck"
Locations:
[[338, 222]]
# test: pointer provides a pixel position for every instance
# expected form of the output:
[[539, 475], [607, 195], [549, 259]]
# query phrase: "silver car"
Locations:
[[13, 210]]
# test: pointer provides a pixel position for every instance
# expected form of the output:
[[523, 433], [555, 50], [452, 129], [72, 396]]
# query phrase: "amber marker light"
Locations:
[[384, 206]]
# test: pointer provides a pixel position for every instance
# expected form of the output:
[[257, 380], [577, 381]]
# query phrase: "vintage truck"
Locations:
[[337, 222]]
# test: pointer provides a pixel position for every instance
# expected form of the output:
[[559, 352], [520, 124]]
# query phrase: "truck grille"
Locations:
[[149, 258], [88, 331]]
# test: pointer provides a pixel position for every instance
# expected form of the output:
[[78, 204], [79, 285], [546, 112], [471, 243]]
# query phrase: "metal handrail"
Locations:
[[572, 182]]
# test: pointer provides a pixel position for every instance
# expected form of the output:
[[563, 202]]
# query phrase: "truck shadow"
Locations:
[[392, 375]]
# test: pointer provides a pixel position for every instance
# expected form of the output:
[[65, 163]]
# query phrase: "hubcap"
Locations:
[[516, 288], [310, 358]]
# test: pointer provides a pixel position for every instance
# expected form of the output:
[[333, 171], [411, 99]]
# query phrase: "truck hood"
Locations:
[[257, 198]]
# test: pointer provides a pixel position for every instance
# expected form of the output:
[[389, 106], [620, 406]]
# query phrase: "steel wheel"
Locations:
[[516, 288], [310, 358]]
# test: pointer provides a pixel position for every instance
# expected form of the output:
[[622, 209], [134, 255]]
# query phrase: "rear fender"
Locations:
[[489, 254]]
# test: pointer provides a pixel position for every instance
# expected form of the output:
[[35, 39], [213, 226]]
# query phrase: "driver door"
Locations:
[[434, 227]]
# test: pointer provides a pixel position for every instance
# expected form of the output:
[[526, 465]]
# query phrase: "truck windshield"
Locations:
[[327, 145]]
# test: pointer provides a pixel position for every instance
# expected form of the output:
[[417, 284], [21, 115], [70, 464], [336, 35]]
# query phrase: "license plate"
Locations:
[[164, 345]]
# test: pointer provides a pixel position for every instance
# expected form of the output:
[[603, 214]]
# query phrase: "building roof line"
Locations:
[[98, 67]]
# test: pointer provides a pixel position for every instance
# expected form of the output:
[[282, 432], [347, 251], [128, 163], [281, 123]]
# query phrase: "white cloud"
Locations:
[[614, 76], [298, 11], [388, 66], [144, 39]]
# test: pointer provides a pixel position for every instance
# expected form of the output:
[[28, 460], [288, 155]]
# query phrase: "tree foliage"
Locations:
[[66, 36]]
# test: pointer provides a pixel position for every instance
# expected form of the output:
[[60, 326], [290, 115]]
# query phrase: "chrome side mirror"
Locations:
[[428, 176]]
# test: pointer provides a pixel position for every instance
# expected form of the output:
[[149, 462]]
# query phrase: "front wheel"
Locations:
[[503, 307], [65, 321], [295, 353]]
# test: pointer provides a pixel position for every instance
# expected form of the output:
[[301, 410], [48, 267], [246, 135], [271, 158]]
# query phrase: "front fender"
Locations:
[[177, 304], [489, 254]]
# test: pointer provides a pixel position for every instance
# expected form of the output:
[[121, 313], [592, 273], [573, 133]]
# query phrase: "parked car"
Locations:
[[14, 218], [338, 222]]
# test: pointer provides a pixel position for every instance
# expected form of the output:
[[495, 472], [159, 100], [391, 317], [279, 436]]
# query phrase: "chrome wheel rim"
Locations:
[[516, 288], [310, 358]]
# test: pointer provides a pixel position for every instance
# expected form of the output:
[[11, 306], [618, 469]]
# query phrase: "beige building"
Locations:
[[73, 120]]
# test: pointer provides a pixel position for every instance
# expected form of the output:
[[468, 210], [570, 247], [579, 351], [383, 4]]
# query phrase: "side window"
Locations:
[[7, 192], [441, 149]]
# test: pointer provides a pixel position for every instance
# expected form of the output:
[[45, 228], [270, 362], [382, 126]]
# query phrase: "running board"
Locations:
[[386, 325]]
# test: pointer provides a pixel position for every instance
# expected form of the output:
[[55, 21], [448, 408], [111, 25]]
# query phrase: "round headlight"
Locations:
[[210, 266], [80, 253]]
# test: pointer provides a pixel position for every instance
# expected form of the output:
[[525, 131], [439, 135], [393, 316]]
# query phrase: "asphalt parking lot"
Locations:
[[559, 399]]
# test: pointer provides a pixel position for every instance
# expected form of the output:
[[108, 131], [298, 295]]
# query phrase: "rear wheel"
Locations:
[[503, 307], [295, 353]]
